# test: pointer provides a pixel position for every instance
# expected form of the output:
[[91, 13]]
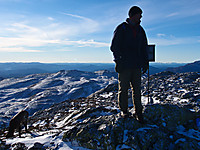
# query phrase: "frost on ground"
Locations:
[[51, 139]]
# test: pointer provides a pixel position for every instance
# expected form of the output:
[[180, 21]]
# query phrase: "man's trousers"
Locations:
[[127, 78]]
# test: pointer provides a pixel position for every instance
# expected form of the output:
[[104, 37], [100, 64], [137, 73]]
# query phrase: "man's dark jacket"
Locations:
[[129, 46]]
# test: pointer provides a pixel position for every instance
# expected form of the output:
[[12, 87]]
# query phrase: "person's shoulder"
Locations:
[[142, 28], [122, 26]]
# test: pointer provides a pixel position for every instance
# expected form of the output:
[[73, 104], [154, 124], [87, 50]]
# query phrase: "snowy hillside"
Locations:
[[39, 91], [171, 122]]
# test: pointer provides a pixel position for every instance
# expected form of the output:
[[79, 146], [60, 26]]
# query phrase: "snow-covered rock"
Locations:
[[96, 123], [104, 128], [39, 91]]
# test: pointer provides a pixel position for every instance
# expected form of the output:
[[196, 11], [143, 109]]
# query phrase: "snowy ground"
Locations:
[[53, 138], [48, 139], [39, 91]]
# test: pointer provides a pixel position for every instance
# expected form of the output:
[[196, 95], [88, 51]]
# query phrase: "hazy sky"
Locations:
[[81, 30]]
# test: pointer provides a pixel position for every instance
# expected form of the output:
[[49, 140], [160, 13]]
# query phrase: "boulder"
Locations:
[[187, 95], [19, 146], [37, 146]]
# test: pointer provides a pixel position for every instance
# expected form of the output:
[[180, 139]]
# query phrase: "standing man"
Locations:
[[129, 46]]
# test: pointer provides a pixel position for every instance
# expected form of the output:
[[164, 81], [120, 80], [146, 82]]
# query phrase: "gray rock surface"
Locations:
[[97, 124]]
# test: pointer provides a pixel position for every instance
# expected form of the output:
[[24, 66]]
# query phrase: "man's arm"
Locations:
[[145, 61], [117, 42]]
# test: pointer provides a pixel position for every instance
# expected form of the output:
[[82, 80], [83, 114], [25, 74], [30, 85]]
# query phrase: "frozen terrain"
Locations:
[[39, 91], [94, 122]]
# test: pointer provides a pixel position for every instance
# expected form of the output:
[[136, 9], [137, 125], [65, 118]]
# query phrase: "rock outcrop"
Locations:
[[97, 124], [166, 127]]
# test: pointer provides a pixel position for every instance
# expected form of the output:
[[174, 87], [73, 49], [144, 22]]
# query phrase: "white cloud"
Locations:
[[83, 24], [169, 41], [77, 16], [63, 50], [173, 14], [50, 18], [28, 34], [86, 43], [187, 8], [17, 44], [161, 35], [24, 42], [17, 49]]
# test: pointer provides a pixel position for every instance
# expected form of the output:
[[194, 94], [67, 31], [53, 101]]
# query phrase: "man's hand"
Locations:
[[145, 68], [119, 66]]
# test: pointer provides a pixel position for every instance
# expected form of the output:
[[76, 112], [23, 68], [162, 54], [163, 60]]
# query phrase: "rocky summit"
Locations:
[[166, 127], [97, 124], [172, 120]]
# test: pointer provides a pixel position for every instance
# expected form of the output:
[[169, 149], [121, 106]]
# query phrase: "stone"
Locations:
[[19, 146], [187, 95], [37, 146]]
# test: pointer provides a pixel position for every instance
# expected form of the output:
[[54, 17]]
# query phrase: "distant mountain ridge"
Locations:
[[8, 70], [191, 67]]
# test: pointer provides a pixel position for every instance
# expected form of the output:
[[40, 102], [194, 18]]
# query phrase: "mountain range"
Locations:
[[8, 70], [191, 67]]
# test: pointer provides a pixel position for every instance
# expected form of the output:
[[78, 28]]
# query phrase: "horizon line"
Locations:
[[88, 62]]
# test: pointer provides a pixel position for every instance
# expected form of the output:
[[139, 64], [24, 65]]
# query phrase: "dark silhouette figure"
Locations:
[[129, 47], [17, 122]]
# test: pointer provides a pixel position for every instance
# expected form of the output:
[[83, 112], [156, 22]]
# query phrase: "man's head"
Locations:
[[135, 14]]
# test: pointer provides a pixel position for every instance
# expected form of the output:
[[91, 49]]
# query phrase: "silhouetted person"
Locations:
[[129, 46]]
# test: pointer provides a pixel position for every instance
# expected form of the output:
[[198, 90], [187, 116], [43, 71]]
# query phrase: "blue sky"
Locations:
[[52, 31]]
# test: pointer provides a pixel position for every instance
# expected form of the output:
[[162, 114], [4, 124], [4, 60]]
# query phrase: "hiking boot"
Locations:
[[125, 114], [140, 118]]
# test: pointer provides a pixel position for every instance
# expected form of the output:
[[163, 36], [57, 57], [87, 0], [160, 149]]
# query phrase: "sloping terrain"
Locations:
[[39, 91], [172, 121], [190, 67], [97, 124]]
